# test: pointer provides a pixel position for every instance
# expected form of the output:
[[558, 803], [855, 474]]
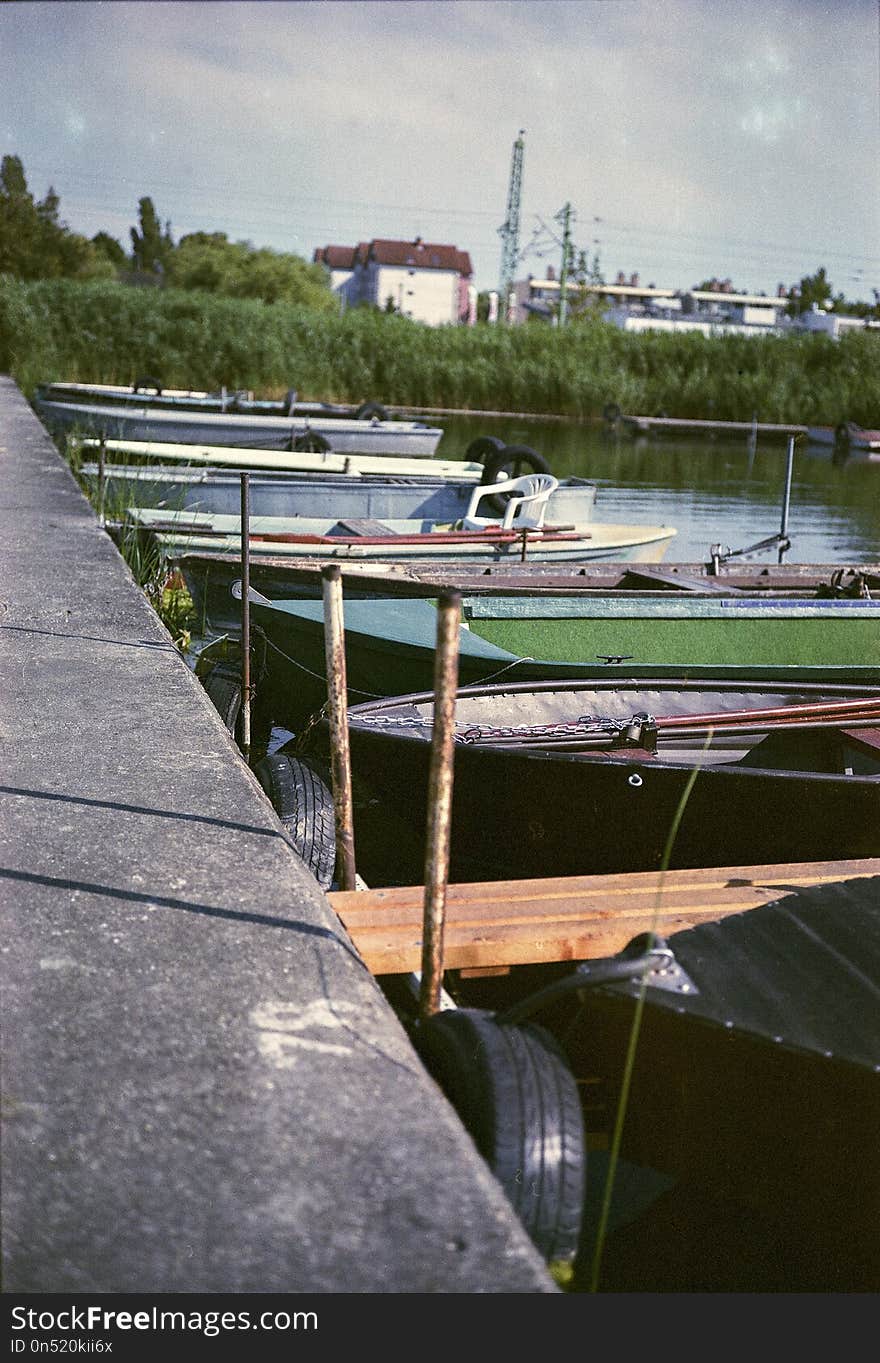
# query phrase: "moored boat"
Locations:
[[413, 439], [390, 648], [844, 437], [150, 392], [426, 489], [592, 777], [176, 533]]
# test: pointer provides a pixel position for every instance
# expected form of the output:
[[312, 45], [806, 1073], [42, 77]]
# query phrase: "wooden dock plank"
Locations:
[[683, 424], [503, 923]]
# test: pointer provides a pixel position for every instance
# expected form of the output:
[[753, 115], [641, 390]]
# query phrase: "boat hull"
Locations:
[[316, 494], [525, 813], [327, 540], [410, 438]]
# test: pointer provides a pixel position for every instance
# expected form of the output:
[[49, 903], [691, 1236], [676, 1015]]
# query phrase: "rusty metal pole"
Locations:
[[245, 618], [439, 801], [337, 698]]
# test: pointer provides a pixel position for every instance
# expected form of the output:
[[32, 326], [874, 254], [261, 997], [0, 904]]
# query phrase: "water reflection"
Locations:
[[712, 490]]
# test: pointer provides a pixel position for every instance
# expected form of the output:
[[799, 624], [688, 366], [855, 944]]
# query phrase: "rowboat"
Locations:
[[149, 392], [213, 458], [845, 437], [598, 777], [414, 439], [324, 540], [210, 577], [427, 489], [390, 648], [729, 1013]]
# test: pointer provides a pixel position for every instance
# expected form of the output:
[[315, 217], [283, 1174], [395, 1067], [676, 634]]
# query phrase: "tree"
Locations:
[[151, 247], [34, 243], [210, 262], [110, 248], [812, 290]]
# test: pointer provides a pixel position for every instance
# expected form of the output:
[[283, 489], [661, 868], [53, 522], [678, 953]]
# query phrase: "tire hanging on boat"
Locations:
[[611, 412], [224, 690], [311, 442], [300, 792], [223, 685], [370, 410], [481, 450], [147, 382], [518, 1100], [511, 461]]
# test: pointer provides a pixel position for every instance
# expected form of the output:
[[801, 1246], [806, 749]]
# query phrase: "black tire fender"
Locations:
[[843, 435], [611, 411], [222, 682], [512, 461], [147, 382], [311, 442], [481, 450], [368, 410], [300, 792], [518, 1100], [224, 690]]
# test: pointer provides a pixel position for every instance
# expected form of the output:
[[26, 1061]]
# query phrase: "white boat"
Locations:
[[430, 489], [305, 433], [149, 392], [279, 461], [327, 539]]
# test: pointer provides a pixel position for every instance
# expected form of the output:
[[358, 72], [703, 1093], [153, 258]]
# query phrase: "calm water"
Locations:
[[712, 491]]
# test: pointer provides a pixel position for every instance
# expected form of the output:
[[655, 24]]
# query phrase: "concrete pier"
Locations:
[[204, 1088]]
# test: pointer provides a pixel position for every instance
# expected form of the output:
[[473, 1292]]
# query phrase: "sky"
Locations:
[[692, 139]]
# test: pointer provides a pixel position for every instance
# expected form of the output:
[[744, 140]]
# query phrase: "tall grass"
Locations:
[[107, 332]]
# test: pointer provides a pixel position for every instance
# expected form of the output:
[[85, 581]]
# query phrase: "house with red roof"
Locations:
[[427, 281]]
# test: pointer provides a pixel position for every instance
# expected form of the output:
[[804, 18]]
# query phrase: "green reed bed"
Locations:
[[103, 332]]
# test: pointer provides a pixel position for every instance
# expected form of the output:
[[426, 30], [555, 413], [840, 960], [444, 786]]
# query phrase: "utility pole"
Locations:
[[564, 217], [509, 231]]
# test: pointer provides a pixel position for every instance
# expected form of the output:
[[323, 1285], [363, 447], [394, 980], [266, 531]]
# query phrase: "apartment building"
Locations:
[[427, 281], [632, 306]]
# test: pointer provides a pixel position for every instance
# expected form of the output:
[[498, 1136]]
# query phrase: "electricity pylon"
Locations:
[[509, 231], [564, 217]]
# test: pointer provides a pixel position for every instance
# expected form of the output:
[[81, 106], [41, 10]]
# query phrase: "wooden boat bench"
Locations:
[[497, 924], [361, 525]]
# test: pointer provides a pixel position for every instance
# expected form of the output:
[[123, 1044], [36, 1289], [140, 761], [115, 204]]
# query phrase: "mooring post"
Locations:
[[337, 699], [102, 475], [786, 499], [439, 800], [245, 618]]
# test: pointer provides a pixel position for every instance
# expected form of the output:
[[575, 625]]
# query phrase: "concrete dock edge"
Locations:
[[204, 1089]]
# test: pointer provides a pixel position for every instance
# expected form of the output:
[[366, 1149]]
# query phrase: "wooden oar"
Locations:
[[857, 708], [428, 537], [846, 713]]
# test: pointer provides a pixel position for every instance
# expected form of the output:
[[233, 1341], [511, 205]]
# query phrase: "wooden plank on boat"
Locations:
[[360, 525], [572, 918]]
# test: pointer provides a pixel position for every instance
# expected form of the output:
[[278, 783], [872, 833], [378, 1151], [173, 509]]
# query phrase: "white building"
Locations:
[[635, 307], [426, 281]]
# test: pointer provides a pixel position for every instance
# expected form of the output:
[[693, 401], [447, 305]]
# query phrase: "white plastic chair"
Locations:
[[525, 509]]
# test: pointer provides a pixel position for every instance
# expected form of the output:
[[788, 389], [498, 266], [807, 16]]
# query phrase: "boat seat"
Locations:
[[360, 525], [526, 508]]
